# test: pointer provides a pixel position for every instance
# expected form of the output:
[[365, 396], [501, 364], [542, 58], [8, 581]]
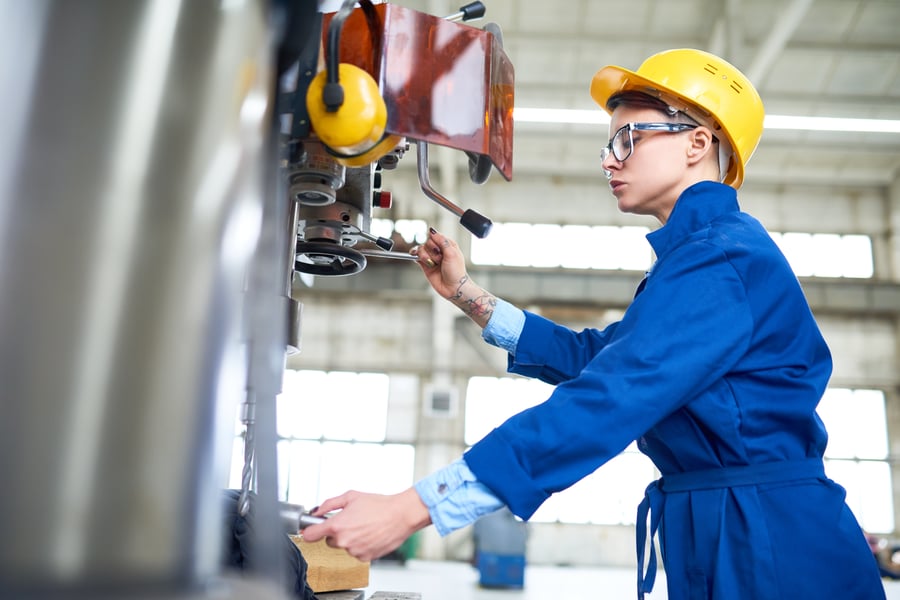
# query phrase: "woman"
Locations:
[[715, 369]]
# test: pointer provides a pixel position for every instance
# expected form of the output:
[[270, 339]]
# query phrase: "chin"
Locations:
[[626, 207]]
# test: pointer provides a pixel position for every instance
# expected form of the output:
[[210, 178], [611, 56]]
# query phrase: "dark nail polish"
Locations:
[[432, 230]]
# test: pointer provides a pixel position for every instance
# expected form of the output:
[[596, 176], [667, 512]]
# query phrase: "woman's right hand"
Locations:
[[445, 268], [443, 264]]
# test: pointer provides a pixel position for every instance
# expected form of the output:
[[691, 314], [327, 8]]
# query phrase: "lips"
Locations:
[[615, 184]]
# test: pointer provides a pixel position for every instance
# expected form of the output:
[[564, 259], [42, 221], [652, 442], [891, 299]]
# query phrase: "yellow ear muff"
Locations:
[[359, 123]]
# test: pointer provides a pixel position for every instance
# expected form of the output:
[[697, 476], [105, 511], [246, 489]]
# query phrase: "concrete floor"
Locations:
[[459, 581]]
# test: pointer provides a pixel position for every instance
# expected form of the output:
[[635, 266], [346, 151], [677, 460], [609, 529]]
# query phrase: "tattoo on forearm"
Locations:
[[458, 294], [478, 307], [481, 306]]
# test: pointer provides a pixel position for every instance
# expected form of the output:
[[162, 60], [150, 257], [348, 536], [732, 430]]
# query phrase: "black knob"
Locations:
[[478, 224], [473, 10]]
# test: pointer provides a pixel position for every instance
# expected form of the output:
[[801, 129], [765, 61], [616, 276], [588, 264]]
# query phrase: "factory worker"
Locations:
[[715, 369]]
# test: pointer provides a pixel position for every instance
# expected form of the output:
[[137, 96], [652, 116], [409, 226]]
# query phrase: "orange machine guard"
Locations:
[[443, 82]]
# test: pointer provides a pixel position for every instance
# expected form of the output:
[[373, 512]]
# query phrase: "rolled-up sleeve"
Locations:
[[505, 326], [455, 498]]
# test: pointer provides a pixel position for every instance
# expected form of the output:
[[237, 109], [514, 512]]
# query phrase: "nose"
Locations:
[[609, 164]]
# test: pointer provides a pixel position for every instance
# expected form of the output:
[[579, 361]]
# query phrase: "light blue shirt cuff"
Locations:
[[504, 327], [455, 498]]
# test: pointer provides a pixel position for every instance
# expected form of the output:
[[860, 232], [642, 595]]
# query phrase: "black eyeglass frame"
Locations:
[[610, 148]]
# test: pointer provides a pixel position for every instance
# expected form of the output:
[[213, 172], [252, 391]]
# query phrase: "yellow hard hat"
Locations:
[[703, 86]]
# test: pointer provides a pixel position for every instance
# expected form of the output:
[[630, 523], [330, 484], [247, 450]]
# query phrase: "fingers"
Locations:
[[340, 533], [425, 259], [428, 259], [314, 533], [431, 253], [332, 504], [370, 525], [437, 242]]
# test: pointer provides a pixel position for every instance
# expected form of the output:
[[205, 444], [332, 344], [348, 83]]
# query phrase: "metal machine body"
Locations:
[[131, 192]]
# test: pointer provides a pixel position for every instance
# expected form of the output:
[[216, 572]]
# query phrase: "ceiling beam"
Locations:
[[775, 42]]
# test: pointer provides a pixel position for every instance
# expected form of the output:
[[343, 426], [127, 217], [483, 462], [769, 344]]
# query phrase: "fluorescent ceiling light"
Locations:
[[599, 117], [560, 115], [831, 124]]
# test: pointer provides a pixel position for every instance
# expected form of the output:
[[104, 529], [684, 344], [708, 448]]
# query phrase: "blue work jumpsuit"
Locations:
[[715, 369]]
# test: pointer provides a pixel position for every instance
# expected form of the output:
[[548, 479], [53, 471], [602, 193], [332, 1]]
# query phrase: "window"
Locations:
[[411, 230], [857, 454], [566, 246], [492, 400], [626, 248], [311, 471], [316, 404], [331, 430], [827, 255], [608, 496]]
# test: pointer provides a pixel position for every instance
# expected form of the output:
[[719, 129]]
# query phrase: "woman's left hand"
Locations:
[[368, 526]]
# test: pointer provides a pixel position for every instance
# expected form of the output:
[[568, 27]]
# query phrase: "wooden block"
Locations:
[[331, 569]]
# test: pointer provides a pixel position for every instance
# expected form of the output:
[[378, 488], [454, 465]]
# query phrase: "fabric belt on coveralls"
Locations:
[[707, 479]]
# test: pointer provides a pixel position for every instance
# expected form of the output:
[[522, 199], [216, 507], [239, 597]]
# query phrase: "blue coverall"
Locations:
[[715, 369]]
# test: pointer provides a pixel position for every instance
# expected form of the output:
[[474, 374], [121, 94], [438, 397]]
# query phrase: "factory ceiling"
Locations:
[[820, 58]]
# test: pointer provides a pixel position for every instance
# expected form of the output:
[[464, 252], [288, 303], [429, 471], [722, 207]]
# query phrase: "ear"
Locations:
[[701, 145]]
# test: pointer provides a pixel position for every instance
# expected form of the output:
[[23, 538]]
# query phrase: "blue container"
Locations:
[[498, 570]]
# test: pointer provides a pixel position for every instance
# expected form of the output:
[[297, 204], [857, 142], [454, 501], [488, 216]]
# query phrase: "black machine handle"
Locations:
[[476, 223], [469, 12]]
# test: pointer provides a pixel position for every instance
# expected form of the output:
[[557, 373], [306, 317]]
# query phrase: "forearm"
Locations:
[[477, 303]]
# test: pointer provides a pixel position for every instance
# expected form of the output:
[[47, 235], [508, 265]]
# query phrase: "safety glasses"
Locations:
[[622, 143]]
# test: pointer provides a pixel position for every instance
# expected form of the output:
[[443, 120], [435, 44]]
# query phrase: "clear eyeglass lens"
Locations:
[[604, 153], [620, 147], [621, 144]]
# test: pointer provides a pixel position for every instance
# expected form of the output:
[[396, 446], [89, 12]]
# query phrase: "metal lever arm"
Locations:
[[295, 518], [478, 224], [307, 519]]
